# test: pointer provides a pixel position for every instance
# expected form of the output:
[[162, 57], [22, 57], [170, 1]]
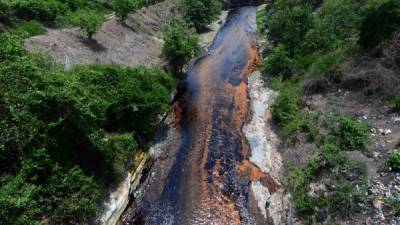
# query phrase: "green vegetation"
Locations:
[[66, 135], [123, 7], [393, 162], [278, 63], [311, 40], [289, 23], [180, 44], [89, 21], [396, 103], [28, 29], [381, 20], [86, 14], [353, 134], [200, 13]]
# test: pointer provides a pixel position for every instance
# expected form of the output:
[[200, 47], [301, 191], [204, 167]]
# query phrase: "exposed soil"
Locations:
[[137, 42]]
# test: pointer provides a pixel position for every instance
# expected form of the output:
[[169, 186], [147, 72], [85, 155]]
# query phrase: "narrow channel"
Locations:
[[209, 180]]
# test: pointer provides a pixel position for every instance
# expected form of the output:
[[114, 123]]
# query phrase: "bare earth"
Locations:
[[138, 42]]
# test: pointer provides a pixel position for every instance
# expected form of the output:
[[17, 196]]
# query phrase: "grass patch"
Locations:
[[396, 103], [29, 29], [393, 162], [261, 19], [353, 134]]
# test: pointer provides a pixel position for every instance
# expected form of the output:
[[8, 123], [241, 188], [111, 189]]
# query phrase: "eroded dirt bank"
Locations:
[[138, 42]]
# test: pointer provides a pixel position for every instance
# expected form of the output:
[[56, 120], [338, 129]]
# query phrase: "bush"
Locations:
[[289, 23], [200, 13], [11, 47], [123, 7], [28, 29], [278, 63], [89, 21], [381, 20], [327, 65], [393, 162], [5, 10], [55, 156], [286, 107], [43, 10], [181, 43], [353, 134], [335, 25], [396, 102]]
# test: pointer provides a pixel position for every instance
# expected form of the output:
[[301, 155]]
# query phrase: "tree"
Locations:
[[278, 63], [289, 24], [123, 7], [89, 21], [381, 20], [200, 13], [335, 24], [180, 44]]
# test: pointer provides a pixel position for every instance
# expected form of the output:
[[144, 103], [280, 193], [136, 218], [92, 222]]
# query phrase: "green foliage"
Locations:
[[353, 134], [11, 47], [122, 149], [289, 24], [89, 21], [382, 18], [200, 13], [286, 107], [38, 9], [278, 63], [5, 10], [334, 25], [393, 204], [181, 43], [123, 7], [28, 29], [327, 65], [396, 103], [55, 156], [261, 18], [393, 162]]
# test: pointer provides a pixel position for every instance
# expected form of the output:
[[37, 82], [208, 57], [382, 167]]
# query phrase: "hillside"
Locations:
[[335, 68]]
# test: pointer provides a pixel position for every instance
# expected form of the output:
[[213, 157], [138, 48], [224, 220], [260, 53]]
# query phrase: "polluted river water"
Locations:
[[213, 176]]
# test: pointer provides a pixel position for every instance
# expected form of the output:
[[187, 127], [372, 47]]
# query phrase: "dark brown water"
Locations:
[[209, 180]]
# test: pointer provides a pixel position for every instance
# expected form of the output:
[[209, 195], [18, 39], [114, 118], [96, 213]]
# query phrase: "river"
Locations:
[[208, 181]]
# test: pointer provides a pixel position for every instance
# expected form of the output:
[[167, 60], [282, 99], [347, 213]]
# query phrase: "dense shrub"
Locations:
[[55, 156], [353, 134], [289, 23], [180, 44], [396, 102], [39, 9], [327, 65], [286, 107], [123, 7], [393, 162], [200, 12], [5, 10], [381, 20], [334, 25], [11, 47], [89, 21], [28, 29], [278, 63]]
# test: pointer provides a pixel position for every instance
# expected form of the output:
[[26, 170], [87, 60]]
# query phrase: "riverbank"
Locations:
[[339, 132]]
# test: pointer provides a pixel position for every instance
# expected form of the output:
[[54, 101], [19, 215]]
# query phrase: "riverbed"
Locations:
[[206, 175]]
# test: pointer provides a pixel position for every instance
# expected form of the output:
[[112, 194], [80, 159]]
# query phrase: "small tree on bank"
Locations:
[[200, 12], [89, 21], [181, 43], [123, 7]]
